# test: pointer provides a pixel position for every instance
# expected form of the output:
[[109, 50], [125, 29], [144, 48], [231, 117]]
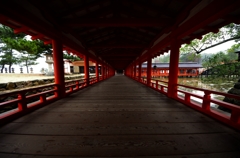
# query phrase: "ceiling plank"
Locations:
[[121, 22], [215, 10], [117, 46]]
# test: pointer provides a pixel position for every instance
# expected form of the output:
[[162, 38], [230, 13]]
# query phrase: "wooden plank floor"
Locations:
[[117, 118]]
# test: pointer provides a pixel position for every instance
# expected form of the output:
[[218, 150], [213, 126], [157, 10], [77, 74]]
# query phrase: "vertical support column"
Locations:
[[107, 72], [139, 71], [134, 70], [103, 71], [86, 69], [173, 70], [149, 71], [96, 71], [58, 67]]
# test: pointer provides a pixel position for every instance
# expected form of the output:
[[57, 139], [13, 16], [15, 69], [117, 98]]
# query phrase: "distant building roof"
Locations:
[[181, 65]]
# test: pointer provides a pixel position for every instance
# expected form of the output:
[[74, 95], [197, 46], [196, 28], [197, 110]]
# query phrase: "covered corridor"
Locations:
[[118, 117]]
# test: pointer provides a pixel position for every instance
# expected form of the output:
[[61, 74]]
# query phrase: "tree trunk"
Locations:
[[9, 68], [27, 69], [27, 66], [2, 68]]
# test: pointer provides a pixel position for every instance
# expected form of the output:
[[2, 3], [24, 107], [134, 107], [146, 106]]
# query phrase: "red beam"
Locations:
[[215, 10], [122, 22], [20, 30], [39, 36], [211, 13], [48, 42], [25, 18]]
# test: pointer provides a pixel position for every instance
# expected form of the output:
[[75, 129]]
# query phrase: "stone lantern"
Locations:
[[49, 61]]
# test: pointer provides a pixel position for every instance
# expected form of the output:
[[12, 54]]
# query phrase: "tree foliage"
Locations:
[[222, 64], [190, 57], [30, 51], [7, 55], [227, 33], [164, 58], [71, 57]]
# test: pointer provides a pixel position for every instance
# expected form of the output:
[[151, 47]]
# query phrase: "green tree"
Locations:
[[221, 65], [7, 55], [71, 57], [190, 57], [30, 51], [164, 58], [227, 33]]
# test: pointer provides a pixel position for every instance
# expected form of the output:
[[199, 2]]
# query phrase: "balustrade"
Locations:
[[202, 102]]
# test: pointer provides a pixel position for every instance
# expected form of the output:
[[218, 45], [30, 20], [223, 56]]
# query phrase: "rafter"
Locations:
[[121, 22], [98, 32], [151, 7], [80, 6], [117, 46], [217, 9], [20, 30], [120, 55]]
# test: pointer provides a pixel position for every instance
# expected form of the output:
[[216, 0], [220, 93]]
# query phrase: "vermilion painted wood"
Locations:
[[86, 69], [58, 66], [149, 71], [173, 68], [24, 106], [97, 71], [233, 119], [139, 71]]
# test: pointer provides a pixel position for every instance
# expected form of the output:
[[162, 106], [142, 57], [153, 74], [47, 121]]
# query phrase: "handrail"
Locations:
[[232, 119], [22, 102]]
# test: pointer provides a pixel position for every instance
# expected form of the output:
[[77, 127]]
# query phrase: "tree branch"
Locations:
[[230, 39]]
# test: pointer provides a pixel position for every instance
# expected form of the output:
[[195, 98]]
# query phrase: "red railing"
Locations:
[[75, 85], [206, 100], [202, 102], [26, 100]]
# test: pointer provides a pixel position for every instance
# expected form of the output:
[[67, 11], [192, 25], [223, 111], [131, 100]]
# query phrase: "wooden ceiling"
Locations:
[[118, 32]]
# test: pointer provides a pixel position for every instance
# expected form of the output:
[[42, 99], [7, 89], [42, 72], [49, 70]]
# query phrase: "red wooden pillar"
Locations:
[[96, 71], [103, 71], [134, 70], [58, 66], [173, 69], [86, 69], [139, 71], [107, 73], [130, 71], [149, 71]]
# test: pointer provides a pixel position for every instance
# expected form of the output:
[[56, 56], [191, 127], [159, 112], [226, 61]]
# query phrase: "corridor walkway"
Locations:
[[117, 118]]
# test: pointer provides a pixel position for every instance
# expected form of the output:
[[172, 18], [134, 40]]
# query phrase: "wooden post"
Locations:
[[134, 70], [58, 66], [86, 69], [103, 71], [173, 70], [107, 73], [96, 71], [139, 71], [149, 71]]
